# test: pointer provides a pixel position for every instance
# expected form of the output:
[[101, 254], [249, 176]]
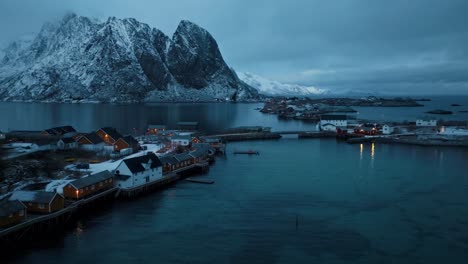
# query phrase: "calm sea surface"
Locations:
[[299, 201], [135, 118]]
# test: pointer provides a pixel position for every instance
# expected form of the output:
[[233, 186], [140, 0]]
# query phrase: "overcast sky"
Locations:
[[397, 46]]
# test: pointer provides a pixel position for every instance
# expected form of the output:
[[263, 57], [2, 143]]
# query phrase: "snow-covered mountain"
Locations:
[[118, 60], [275, 88]]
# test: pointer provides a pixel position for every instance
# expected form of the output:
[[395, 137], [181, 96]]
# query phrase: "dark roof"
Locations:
[[112, 132], [92, 179], [58, 131], [182, 157], [33, 196], [68, 140], [93, 138], [333, 117], [169, 159], [130, 140], [10, 207], [136, 164], [201, 150]]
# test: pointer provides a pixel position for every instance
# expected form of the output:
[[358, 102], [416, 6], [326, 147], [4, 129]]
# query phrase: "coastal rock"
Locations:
[[118, 60]]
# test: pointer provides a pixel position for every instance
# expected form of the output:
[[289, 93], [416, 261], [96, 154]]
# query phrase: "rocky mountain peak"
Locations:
[[118, 60]]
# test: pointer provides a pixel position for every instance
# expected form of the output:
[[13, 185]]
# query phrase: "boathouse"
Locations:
[[39, 201], [91, 142], [137, 171], [110, 135], [88, 186], [184, 160], [11, 213], [169, 163]]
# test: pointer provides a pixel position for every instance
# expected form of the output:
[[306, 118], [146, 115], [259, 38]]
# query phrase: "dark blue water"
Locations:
[[353, 204], [135, 118]]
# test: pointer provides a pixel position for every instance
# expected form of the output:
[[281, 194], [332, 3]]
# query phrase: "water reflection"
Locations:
[[134, 118]]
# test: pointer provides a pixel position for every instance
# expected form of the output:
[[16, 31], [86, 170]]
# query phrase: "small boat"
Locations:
[[247, 152]]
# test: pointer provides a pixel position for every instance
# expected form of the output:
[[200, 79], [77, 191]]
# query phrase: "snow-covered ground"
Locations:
[[111, 165], [275, 88]]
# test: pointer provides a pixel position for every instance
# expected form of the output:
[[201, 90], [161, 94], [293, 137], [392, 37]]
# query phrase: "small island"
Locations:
[[440, 112], [456, 105]]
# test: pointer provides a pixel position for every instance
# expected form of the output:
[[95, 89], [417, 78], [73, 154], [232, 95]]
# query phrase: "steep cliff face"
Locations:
[[119, 60]]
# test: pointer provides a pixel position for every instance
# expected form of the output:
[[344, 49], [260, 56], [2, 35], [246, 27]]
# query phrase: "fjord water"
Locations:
[[299, 201], [134, 118]]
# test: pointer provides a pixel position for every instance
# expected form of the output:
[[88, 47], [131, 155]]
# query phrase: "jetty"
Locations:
[[247, 152], [202, 181]]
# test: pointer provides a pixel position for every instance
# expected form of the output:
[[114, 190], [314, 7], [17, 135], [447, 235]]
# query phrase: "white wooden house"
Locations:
[[332, 122], [137, 171], [426, 122], [387, 130]]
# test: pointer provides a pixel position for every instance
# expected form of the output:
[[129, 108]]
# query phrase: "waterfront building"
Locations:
[[11, 213], [39, 201], [89, 185], [387, 130], [453, 131], [426, 122], [181, 140], [137, 171], [332, 122]]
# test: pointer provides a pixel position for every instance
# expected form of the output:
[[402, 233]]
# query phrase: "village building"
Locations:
[[184, 160], [39, 201], [181, 140], [201, 152], [138, 171], [89, 186], [127, 142], [426, 122], [109, 134], [11, 213], [91, 142], [332, 122], [67, 143], [169, 163], [187, 126], [155, 129], [58, 131], [387, 129], [453, 131], [2, 136]]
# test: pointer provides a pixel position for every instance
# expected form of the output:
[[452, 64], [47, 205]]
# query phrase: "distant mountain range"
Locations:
[[119, 60], [275, 88]]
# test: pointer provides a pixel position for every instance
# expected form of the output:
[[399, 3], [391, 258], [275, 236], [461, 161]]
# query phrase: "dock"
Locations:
[[247, 152], [202, 181]]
